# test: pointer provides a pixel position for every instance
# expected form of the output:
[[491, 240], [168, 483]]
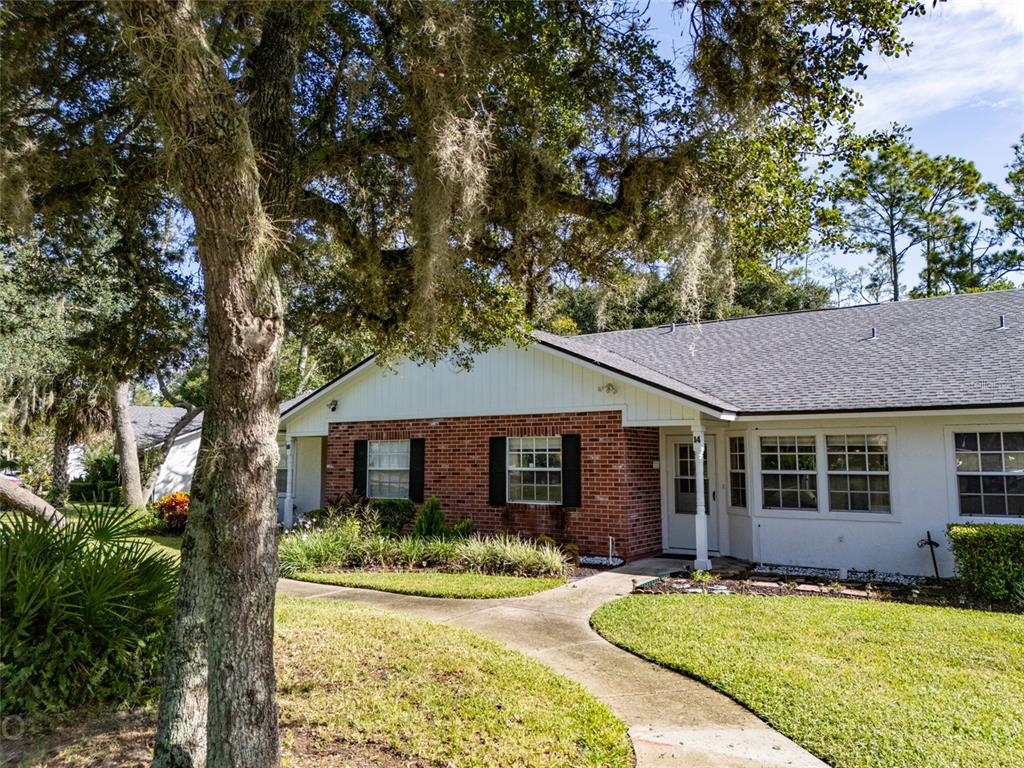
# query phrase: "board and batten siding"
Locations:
[[508, 380]]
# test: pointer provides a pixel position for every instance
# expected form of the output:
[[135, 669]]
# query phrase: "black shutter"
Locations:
[[571, 456], [417, 446], [359, 469], [497, 496]]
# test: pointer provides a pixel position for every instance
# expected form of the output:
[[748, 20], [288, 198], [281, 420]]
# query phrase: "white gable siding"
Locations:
[[178, 466], [508, 380]]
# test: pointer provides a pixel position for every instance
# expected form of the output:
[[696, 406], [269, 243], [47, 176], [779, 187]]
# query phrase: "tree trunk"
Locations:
[[21, 498], [894, 268], [225, 602], [124, 446], [181, 735], [59, 468]]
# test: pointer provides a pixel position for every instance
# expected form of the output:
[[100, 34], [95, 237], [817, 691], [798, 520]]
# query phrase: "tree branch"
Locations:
[[24, 500]]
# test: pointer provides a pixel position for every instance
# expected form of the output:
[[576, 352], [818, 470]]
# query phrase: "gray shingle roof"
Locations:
[[157, 421], [929, 353], [153, 422]]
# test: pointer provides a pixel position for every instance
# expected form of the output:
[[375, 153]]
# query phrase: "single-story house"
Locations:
[[180, 462], [151, 424], [835, 438]]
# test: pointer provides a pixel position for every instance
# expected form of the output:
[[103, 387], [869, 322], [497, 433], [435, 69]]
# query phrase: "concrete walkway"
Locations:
[[672, 720]]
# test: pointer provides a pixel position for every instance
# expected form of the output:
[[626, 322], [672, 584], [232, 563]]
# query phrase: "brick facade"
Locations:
[[620, 486]]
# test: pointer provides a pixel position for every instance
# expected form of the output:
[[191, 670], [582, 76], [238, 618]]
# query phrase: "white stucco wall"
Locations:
[[923, 498], [76, 462], [178, 466]]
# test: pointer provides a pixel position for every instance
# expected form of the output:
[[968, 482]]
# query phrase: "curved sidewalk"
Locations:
[[672, 720]]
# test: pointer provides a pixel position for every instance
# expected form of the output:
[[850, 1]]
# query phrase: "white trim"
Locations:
[[667, 439], [823, 511], [509, 470], [952, 489], [996, 410], [729, 506], [407, 468]]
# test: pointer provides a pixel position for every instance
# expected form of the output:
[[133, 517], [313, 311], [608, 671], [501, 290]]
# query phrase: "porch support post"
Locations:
[[289, 493], [702, 562]]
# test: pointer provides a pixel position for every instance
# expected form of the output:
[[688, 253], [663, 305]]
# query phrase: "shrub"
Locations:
[[345, 546], [85, 610], [430, 521], [172, 511], [393, 515], [463, 529], [505, 554], [81, 491], [101, 466], [989, 558]]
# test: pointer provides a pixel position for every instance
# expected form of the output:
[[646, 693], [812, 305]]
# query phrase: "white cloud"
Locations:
[[965, 53]]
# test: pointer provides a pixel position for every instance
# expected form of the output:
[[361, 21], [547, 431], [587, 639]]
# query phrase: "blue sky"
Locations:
[[961, 88]]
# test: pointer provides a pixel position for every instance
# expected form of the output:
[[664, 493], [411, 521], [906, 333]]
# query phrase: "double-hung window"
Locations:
[[990, 473], [789, 467], [387, 469], [858, 472], [535, 469], [282, 468], [737, 472]]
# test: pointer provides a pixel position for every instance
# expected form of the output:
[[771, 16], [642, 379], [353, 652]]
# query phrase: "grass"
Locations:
[[352, 678], [860, 684], [435, 583], [168, 544]]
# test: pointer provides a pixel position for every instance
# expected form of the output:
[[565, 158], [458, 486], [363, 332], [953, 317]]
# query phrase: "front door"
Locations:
[[683, 504]]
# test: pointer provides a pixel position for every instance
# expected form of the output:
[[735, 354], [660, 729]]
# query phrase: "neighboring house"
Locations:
[[831, 438], [151, 424], [180, 463]]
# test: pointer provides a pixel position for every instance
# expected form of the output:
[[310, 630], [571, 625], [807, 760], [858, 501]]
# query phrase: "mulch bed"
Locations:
[[924, 592]]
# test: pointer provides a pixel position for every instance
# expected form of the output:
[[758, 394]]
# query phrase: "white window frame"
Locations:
[[509, 469], [754, 486], [370, 468], [887, 473], [761, 471], [747, 484], [953, 486]]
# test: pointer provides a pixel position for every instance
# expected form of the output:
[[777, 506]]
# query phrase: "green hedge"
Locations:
[[102, 491], [989, 558]]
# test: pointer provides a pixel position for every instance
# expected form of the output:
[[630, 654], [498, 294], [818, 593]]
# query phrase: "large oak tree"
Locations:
[[449, 156]]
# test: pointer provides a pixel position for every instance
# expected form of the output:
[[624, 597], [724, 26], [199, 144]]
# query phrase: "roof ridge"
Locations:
[[719, 320]]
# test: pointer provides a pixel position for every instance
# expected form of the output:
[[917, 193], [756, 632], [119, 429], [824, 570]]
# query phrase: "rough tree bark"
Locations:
[[229, 562], [23, 499], [59, 468], [125, 448]]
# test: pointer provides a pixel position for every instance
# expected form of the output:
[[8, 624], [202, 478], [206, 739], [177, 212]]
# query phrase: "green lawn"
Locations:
[[352, 678], [168, 544], [860, 684], [435, 584]]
